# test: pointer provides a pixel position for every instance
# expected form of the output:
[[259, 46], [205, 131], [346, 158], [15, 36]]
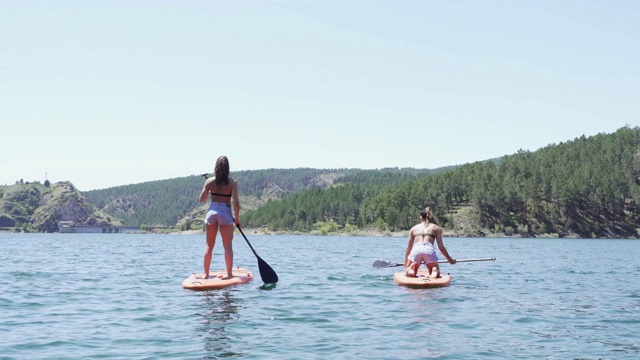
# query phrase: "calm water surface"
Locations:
[[119, 296]]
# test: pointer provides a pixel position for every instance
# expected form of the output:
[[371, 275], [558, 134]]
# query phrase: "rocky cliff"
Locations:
[[36, 207]]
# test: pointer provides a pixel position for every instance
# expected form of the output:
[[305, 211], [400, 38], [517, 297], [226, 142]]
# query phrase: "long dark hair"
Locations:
[[428, 216], [221, 171]]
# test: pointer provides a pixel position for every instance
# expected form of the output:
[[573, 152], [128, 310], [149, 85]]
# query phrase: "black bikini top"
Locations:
[[427, 234], [424, 233], [223, 195]]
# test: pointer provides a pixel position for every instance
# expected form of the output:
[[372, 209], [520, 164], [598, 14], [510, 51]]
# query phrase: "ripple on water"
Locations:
[[134, 306]]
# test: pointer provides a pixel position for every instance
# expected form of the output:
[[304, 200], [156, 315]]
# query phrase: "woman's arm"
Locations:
[[236, 201], [205, 191], [443, 249], [409, 247]]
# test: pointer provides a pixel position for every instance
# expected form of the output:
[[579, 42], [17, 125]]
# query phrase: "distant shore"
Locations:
[[376, 233], [362, 233], [312, 233]]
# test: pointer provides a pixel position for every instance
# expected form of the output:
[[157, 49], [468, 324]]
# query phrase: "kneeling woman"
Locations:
[[420, 249]]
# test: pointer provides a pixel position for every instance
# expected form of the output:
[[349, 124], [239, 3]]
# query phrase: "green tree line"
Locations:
[[165, 202], [589, 186]]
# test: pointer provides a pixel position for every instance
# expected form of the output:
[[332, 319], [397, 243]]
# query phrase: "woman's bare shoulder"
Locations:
[[433, 227]]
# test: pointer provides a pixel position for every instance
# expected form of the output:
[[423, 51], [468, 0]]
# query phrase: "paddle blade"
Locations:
[[384, 264], [266, 272]]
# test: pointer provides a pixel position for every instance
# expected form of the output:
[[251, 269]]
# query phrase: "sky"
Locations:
[[109, 93]]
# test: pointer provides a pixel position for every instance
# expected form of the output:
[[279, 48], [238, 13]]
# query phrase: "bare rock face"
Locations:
[[272, 191], [323, 180], [66, 203], [73, 209]]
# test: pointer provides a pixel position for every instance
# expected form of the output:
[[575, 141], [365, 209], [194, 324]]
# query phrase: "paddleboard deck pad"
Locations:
[[422, 281], [217, 279]]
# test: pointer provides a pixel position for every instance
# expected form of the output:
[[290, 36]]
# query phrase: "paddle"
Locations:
[[383, 264], [266, 272]]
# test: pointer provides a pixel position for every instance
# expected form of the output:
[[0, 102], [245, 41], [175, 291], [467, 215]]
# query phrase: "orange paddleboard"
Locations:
[[422, 280], [217, 279]]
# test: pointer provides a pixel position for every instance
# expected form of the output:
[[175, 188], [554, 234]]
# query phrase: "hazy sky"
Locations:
[[107, 93]]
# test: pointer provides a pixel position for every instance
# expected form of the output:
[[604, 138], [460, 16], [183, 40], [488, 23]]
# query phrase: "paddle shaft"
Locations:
[[467, 260], [247, 240], [390, 264]]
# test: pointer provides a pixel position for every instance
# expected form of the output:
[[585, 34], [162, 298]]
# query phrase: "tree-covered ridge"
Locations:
[[255, 182], [341, 203], [589, 187], [388, 176], [160, 202], [302, 211], [169, 202]]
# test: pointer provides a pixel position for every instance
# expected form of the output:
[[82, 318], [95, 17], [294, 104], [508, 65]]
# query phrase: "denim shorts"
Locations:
[[423, 252], [219, 214]]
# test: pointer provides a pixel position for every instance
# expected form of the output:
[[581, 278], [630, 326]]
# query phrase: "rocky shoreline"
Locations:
[[376, 233]]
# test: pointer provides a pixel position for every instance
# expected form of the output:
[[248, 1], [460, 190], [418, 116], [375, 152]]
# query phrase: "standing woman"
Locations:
[[222, 189], [420, 249]]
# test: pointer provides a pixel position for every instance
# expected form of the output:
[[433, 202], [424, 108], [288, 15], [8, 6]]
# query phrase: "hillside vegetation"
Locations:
[[36, 207], [174, 202], [588, 187]]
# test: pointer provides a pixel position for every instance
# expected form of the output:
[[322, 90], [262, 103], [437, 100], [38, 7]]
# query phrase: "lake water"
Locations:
[[119, 296]]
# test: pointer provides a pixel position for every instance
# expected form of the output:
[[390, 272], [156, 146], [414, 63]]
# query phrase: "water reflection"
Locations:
[[219, 311], [267, 287]]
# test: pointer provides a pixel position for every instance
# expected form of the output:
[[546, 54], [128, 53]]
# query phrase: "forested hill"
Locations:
[[169, 202], [588, 187]]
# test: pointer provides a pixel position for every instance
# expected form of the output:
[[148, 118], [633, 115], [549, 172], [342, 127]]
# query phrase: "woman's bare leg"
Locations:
[[226, 231], [211, 233], [412, 270], [434, 270]]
